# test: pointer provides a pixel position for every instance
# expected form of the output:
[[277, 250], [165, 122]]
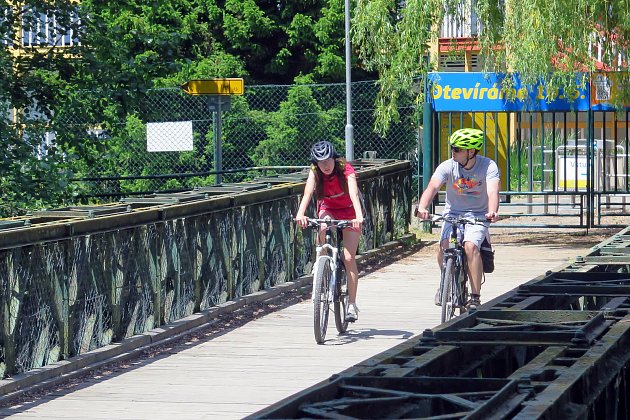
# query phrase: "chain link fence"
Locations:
[[167, 143]]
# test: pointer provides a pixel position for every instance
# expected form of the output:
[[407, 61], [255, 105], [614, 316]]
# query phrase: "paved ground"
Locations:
[[237, 372]]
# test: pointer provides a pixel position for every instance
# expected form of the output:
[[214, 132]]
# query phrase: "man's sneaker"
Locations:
[[353, 313], [438, 297], [473, 303]]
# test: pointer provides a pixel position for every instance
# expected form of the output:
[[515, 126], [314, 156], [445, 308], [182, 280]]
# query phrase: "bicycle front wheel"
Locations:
[[341, 300], [448, 284], [321, 303]]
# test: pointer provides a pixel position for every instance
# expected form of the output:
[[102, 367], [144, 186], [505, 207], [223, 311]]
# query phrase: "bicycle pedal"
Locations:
[[351, 319]]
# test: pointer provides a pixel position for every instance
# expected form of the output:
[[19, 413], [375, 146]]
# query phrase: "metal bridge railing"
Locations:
[[567, 165], [78, 278]]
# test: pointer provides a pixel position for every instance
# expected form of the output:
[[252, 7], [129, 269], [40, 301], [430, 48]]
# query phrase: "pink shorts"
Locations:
[[339, 214]]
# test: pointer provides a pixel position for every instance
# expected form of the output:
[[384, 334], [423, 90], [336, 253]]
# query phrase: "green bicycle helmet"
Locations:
[[467, 138]]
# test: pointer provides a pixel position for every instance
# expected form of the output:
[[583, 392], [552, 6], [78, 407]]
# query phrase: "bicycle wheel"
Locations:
[[448, 282], [341, 299], [320, 299]]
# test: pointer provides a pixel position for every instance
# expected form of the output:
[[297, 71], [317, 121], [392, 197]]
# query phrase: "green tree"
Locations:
[[32, 85], [539, 40], [281, 40], [299, 122], [115, 52]]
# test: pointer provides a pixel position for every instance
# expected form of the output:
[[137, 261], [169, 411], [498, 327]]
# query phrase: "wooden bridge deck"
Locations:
[[246, 369]]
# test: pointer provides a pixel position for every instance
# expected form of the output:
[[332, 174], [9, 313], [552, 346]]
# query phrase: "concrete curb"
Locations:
[[56, 373]]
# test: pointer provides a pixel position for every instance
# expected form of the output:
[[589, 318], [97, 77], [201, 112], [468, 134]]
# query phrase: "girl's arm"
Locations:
[[353, 190], [300, 218]]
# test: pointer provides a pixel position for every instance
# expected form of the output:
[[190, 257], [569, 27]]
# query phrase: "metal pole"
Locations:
[[349, 127], [218, 163]]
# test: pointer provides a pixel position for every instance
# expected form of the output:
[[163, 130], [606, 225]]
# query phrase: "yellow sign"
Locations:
[[214, 87]]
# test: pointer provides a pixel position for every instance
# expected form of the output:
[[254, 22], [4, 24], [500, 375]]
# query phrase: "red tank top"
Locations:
[[334, 196]]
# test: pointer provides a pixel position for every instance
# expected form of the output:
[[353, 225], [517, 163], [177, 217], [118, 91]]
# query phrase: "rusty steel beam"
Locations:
[[555, 347]]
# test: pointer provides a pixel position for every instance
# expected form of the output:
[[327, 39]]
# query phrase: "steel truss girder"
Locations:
[[558, 344]]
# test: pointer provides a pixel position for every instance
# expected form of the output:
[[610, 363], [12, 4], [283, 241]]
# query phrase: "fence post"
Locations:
[[590, 172], [427, 146]]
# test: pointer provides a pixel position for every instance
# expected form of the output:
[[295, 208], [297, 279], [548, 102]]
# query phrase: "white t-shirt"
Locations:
[[467, 189]]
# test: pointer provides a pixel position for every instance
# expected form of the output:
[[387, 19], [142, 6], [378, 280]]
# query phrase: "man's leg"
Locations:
[[473, 238], [475, 267]]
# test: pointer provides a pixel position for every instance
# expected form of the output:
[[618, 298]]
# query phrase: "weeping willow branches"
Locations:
[[549, 40]]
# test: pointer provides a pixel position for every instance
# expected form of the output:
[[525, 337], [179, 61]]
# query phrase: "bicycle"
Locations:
[[330, 284], [454, 276]]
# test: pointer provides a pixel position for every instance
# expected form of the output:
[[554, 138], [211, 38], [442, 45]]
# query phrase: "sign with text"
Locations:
[[572, 172], [606, 88], [233, 86], [472, 92]]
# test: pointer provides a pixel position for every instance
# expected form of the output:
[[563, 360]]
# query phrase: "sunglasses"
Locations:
[[456, 149]]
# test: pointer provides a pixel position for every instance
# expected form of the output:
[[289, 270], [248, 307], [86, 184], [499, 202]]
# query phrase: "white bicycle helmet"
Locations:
[[322, 150]]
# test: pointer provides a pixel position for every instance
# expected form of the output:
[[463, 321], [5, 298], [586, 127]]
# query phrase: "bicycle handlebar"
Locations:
[[342, 224], [460, 220]]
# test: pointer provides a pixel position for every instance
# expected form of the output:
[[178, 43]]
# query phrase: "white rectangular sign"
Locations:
[[170, 136], [572, 172]]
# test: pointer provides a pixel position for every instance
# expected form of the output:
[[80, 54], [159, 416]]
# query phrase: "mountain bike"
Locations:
[[330, 284], [453, 292]]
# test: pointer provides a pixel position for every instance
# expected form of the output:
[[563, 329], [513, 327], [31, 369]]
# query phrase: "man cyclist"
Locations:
[[472, 190], [334, 183]]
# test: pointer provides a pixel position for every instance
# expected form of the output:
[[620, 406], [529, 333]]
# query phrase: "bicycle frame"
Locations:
[[333, 257], [456, 252], [454, 267], [329, 279]]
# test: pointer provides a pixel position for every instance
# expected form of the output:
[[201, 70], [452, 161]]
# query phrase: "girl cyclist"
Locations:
[[334, 182]]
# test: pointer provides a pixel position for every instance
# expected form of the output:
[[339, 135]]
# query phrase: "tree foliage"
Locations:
[[299, 122], [119, 51], [31, 88], [548, 40]]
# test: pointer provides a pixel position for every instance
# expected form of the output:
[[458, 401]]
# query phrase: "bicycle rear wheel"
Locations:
[[321, 303], [341, 301], [448, 282]]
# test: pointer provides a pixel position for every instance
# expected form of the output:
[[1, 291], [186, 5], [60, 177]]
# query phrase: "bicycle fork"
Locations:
[[319, 262]]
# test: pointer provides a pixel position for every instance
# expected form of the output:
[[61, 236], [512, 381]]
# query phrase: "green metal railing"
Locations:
[[568, 165], [76, 279]]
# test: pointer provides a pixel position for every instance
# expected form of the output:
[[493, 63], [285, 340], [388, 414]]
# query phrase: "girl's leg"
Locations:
[[321, 238], [350, 244]]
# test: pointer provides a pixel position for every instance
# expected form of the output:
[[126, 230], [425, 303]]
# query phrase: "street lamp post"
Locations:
[[349, 127]]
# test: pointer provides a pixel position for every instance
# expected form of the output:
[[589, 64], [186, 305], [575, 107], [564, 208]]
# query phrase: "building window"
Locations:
[[45, 29]]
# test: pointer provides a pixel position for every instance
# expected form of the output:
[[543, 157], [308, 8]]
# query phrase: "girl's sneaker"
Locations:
[[353, 313]]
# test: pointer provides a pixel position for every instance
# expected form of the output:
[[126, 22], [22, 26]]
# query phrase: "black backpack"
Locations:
[[487, 256]]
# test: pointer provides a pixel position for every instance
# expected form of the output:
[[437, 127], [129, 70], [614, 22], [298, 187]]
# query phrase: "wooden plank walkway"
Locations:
[[247, 369]]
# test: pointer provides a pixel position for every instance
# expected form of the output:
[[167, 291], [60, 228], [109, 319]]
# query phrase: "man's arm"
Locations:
[[493, 187], [427, 196]]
